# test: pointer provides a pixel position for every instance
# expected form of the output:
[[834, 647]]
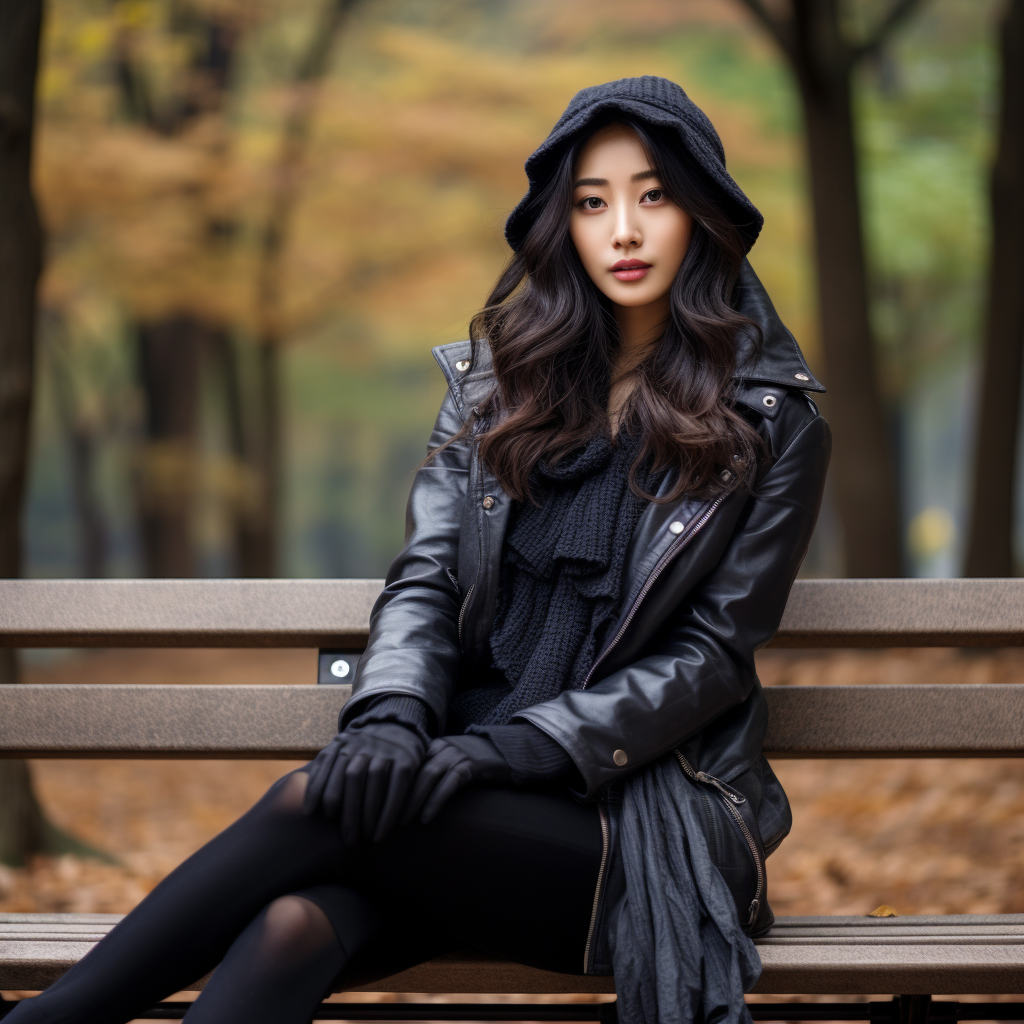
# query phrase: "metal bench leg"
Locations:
[[914, 1009]]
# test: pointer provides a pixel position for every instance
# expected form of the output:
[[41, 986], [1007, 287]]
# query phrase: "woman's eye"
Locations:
[[592, 203], [654, 195]]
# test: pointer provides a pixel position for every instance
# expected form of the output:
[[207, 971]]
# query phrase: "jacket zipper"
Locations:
[[673, 550], [731, 798], [603, 815], [670, 554], [462, 610], [477, 427]]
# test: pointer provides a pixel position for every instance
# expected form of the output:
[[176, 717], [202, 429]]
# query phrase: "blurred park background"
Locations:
[[259, 217], [256, 219]]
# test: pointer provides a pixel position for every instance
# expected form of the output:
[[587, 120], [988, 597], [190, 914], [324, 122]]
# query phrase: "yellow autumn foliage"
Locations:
[[415, 158]]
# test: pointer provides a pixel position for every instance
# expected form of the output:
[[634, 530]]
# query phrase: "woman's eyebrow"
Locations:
[[639, 176]]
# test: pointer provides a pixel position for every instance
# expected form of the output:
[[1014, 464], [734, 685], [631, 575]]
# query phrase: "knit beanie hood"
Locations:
[[651, 100]]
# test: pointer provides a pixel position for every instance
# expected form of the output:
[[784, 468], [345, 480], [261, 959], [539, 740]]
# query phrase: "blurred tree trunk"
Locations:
[[168, 369], [242, 489], [990, 544], [256, 447], [823, 60], [170, 381], [262, 537], [170, 347], [20, 263], [82, 438], [92, 532]]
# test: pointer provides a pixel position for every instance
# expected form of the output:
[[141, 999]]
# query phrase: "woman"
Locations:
[[624, 477]]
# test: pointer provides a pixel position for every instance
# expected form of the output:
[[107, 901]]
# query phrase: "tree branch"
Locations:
[[897, 13], [779, 30]]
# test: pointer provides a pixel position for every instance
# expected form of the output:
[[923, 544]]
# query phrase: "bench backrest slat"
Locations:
[[335, 613], [186, 613], [69, 720]]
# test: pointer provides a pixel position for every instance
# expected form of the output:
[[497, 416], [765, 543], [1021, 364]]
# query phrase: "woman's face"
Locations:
[[631, 238]]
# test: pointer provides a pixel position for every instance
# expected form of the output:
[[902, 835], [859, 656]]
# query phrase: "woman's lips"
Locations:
[[630, 270]]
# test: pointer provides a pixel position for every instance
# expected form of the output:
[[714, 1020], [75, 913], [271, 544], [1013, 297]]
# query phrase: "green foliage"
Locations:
[[925, 116]]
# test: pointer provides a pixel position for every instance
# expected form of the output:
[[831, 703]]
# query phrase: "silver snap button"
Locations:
[[462, 365], [737, 458], [801, 376], [675, 527], [619, 757], [770, 400], [488, 502], [340, 668]]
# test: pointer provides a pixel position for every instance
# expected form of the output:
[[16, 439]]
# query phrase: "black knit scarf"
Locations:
[[560, 579]]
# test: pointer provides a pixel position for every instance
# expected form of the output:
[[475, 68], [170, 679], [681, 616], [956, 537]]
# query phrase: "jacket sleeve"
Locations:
[[413, 646], [702, 663]]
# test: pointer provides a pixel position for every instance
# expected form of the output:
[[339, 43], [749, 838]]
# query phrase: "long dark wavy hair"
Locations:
[[552, 337]]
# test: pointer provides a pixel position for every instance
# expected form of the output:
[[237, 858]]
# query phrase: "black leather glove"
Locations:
[[364, 776], [453, 762]]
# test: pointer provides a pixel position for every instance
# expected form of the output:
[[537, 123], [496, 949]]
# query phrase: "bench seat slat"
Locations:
[[825, 926], [109, 920], [897, 968], [973, 957], [71, 933], [995, 937], [95, 720]]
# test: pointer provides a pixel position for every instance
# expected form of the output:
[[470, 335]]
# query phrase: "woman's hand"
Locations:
[[453, 762], [363, 776]]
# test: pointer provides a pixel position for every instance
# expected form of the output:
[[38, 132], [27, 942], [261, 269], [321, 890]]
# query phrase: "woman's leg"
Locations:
[[510, 872], [185, 926], [282, 965]]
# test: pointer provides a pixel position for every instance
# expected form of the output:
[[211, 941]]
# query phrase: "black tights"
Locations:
[[283, 907]]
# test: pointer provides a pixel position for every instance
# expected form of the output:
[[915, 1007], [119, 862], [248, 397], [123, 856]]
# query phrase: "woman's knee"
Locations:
[[293, 927], [286, 795]]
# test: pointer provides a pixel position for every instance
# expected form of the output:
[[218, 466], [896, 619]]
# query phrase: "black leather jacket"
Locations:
[[705, 583]]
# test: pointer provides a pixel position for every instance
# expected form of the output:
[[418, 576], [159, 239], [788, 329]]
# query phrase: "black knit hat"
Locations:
[[655, 101]]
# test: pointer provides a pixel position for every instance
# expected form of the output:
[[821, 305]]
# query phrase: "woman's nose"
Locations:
[[626, 231]]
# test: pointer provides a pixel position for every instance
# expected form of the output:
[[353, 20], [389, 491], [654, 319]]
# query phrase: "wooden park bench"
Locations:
[[914, 958]]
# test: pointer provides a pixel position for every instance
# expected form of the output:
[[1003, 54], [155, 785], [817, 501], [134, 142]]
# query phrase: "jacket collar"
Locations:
[[780, 360]]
